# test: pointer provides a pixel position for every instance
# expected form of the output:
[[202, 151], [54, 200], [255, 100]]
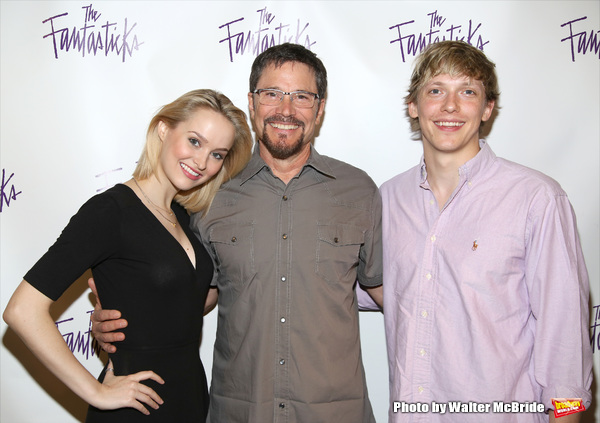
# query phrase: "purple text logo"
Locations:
[[581, 42], [595, 336], [95, 36], [79, 342], [269, 32], [8, 192], [105, 178], [412, 43]]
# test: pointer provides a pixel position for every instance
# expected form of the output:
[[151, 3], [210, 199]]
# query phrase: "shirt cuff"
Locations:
[[568, 392]]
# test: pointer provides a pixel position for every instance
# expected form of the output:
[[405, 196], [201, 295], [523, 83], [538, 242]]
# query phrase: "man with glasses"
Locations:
[[291, 235]]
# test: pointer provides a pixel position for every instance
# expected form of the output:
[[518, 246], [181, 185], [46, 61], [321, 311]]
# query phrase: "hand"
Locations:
[[211, 300], [127, 391], [376, 294], [369, 299], [104, 322]]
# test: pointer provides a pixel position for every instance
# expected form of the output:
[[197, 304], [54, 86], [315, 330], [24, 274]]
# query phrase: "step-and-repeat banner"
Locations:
[[81, 80]]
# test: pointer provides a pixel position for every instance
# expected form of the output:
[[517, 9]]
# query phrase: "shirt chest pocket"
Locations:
[[337, 254], [234, 251]]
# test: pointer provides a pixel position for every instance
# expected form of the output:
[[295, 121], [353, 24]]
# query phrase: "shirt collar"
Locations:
[[257, 164], [478, 164], [470, 169]]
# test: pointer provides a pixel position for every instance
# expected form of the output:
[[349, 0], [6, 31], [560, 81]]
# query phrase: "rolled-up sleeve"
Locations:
[[558, 285]]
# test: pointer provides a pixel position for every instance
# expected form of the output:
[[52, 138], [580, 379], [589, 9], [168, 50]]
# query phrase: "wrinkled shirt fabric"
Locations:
[[486, 300], [288, 256]]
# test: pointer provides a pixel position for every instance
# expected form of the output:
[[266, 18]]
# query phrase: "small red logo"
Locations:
[[566, 406]]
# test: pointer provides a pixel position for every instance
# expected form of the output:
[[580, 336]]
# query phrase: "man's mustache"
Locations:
[[284, 119]]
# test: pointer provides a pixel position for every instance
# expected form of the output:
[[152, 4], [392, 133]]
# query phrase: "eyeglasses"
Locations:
[[271, 97]]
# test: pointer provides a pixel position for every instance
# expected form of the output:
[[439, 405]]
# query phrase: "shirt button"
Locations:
[[282, 320], [233, 239], [283, 279], [424, 313], [336, 240], [285, 198], [420, 389], [428, 276], [284, 236], [433, 238], [282, 361], [281, 405], [422, 352]]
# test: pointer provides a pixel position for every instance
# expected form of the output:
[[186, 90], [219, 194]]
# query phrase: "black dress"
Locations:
[[141, 270]]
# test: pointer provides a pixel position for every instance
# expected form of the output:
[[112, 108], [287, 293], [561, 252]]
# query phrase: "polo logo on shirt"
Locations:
[[475, 245], [566, 406]]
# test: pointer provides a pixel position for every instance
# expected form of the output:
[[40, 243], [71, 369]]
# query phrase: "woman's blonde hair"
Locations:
[[200, 198]]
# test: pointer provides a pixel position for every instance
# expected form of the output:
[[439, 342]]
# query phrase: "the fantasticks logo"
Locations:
[[270, 31], [9, 192], [79, 342], [595, 334], [96, 36], [581, 42], [412, 42]]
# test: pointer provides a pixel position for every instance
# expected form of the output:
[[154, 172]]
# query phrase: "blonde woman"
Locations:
[[147, 263]]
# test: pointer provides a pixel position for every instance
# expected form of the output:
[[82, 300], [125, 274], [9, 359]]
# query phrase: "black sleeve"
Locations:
[[90, 237]]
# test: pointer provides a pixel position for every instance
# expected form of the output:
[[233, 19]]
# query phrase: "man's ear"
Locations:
[[251, 105], [487, 112], [320, 111]]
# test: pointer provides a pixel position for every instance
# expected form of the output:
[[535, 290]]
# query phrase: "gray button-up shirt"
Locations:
[[288, 256]]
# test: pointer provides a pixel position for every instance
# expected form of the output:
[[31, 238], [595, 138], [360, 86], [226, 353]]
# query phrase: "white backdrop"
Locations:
[[80, 82]]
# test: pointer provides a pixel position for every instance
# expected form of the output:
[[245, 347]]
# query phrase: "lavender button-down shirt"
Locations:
[[485, 301]]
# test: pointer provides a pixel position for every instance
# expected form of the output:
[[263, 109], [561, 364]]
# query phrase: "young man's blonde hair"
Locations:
[[454, 58], [200, 198]]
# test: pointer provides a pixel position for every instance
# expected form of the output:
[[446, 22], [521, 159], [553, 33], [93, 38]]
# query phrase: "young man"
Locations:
[[291, 234], [485, 286]]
